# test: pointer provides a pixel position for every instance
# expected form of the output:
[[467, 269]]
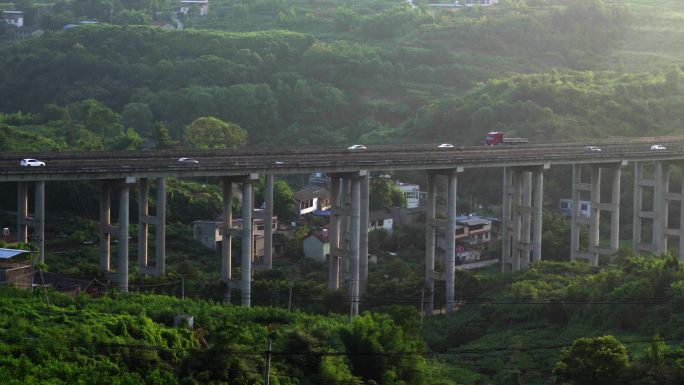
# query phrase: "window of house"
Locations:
[[584, 207], [260, 226]]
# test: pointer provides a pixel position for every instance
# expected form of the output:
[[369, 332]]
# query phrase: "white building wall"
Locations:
[[315, 249]]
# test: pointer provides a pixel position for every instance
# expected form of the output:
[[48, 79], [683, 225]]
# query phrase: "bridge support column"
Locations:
[[159, 221], [521, 228], [450, 237], [247, 241], [430, 234], [363, 236], [246, 235], [538, 206], [447, 231], [106, 228], [268, 223], [506, 230], [227, 237], [122, 270], [334, 236], [348, 234], [680, 233], [660, 185], [22, 212], [345, 234], [37, 220], [593, 187], [355, 219]]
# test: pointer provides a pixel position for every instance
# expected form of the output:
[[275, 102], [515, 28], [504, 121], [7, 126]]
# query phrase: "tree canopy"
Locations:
[[212, 133]]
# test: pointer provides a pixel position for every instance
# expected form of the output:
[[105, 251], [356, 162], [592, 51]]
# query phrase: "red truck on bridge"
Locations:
[[496, 138]]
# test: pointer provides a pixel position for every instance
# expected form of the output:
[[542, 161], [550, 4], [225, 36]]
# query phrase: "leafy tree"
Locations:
[[161, 136], [599, 360], [212, 133], [53, 112], [129, 140], [383, 194], [138, 116], [96, 117], [373, 335], [283, 198], [77, 137]]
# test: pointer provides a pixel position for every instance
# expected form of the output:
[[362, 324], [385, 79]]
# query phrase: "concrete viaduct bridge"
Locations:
[[523, 185]]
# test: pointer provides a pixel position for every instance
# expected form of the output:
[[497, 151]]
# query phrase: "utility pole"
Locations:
[[267, 364], [289, 299], [422, 305]]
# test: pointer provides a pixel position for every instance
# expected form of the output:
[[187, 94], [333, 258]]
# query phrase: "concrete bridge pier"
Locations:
[[37, 221], [247, 241], [120, 231], [348, 235], [450, 237], [446, 228], [354, 243], [246, 235], [593, 188], [345, 234], [122, 270], [363, 236], [106, 228], [659, 184], [158, 220], [226, 244], [334, 234], [521, 228], [268, 223], [430, 233]]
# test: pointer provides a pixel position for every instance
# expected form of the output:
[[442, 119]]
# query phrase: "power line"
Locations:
[[445, 352]]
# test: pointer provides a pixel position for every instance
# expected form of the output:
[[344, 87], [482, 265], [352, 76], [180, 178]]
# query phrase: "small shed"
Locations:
[[317, 245], [19, 274]]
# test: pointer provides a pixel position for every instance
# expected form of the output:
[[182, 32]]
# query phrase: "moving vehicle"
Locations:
[[592, 149], [188, 160], [446, 145], [356, 147], [658, 147], [31, 163], [496, 138]]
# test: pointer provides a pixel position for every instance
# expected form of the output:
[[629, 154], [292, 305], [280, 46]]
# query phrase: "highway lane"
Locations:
[[102, 165]]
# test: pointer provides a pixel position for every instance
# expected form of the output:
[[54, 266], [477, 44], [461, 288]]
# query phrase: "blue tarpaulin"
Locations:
[[9, 253]]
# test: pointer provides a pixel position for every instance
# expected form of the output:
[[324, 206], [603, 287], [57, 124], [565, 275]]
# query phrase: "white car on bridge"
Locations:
[[31, 163], [658, 147]]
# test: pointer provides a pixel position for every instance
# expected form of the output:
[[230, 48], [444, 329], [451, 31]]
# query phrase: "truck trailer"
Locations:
[[496, 138]]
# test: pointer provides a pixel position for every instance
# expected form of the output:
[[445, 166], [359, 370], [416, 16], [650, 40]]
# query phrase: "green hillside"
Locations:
[[131, 339], [322, 72]]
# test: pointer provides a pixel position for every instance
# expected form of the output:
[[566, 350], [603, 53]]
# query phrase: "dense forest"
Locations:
[[333, 74]]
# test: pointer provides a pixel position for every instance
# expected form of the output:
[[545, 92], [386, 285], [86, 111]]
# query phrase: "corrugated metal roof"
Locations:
[[9, 253]]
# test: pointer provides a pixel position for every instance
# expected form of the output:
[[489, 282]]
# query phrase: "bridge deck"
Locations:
[[154, 163]]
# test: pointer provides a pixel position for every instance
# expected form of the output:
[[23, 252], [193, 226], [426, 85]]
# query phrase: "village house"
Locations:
[[565, 206], [210, 233], [411, 193], [186, 6], [312, 198], [380, 219], [317, 245], [15, 18], [473, 234]]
